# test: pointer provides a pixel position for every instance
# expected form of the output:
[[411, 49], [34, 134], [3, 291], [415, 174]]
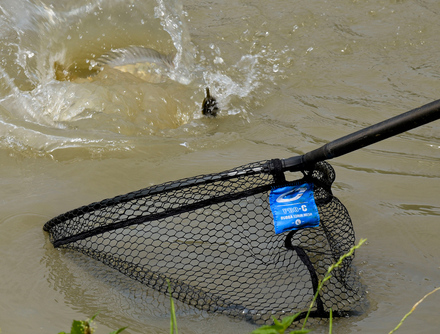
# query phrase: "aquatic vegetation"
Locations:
[[279, 327], [86, 327]]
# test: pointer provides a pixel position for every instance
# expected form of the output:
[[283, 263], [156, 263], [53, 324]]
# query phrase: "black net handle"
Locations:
[[370, 135]]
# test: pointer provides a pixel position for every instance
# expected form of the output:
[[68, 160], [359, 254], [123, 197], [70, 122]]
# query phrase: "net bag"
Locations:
[[212, 237]]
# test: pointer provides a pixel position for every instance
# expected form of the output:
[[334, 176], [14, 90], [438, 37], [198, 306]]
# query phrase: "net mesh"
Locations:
[[212, 237]]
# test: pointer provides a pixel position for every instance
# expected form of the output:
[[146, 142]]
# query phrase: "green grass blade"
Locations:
[[93, 317], [173, 319], [265, 329], [278, 327], [327, 276], [330, 327], [412, 310], [118, 331]]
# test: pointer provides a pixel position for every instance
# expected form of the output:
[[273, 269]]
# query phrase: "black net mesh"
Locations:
[[213, 238]]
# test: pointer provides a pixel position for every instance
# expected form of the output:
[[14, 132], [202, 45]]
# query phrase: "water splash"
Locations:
[[40, 114], [245, 81], [117, 110], [171, 15]]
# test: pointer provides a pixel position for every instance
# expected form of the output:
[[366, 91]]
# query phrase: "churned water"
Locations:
[[289, 76]]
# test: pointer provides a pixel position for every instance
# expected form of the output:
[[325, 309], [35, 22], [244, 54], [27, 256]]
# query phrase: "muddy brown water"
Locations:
[[288, 75]]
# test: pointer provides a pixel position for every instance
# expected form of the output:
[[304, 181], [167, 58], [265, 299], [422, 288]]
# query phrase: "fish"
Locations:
[[145, 63], [209, 105]]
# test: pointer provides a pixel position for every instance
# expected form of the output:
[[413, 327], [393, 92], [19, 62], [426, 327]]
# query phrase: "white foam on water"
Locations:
[[35, 105], [113, 108], [171, 15]]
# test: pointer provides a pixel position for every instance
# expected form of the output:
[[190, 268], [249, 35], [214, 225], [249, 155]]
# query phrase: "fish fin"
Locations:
[[132, 55], [209, 105], [171, 58]]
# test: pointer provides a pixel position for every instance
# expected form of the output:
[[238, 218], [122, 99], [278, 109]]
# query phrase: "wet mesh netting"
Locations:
[[212, 237]]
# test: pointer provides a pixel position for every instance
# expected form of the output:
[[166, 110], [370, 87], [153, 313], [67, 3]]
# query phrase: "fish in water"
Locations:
[[209, 105], [145, 63]]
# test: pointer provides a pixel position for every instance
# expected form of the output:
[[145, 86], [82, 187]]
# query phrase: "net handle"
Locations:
[[367, 136]]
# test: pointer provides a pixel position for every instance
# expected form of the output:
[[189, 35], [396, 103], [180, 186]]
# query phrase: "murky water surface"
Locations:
[[288, 75]]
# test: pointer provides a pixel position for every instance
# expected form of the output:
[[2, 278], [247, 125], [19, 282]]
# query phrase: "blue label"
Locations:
[[293, 207]]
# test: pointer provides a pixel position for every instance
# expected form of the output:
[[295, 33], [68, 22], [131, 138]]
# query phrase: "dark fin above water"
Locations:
[[209, 105]]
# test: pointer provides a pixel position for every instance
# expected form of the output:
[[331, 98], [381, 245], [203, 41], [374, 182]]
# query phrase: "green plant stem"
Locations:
[[327, 276], [173, 319], [412, 309], [330, 327]]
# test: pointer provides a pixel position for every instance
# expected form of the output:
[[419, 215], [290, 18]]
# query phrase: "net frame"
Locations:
[[212, 237]]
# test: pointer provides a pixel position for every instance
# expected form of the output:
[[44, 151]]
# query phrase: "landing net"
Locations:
[[212, 237]]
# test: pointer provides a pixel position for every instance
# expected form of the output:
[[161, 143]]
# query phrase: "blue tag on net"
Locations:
[[293, 207]]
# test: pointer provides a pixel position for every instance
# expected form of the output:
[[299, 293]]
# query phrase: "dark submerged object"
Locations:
[[209, 105]]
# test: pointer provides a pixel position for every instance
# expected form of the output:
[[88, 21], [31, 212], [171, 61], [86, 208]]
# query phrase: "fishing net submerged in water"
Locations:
[[212, 237]]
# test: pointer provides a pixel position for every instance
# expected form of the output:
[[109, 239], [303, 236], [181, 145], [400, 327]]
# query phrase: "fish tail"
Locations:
[[169, 59]]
